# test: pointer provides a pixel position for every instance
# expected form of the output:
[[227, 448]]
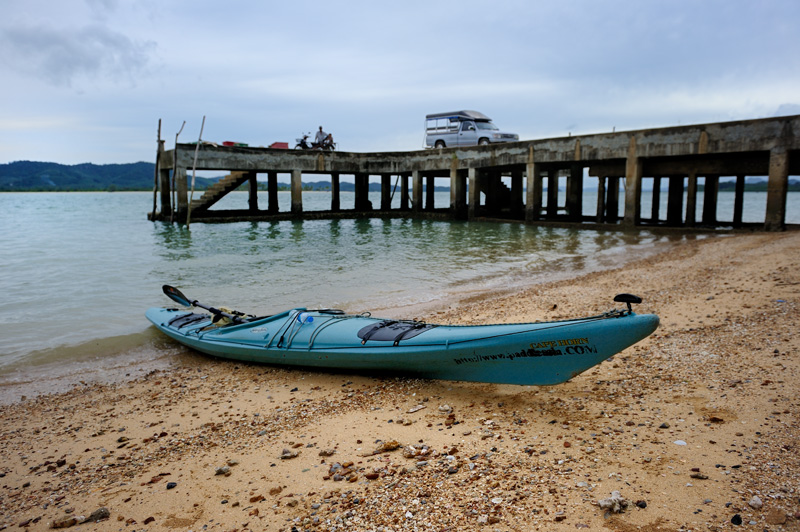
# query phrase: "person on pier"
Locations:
[[323, 139]]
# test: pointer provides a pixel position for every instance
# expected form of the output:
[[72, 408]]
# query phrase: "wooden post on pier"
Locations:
[[336, 204], [297, 191]]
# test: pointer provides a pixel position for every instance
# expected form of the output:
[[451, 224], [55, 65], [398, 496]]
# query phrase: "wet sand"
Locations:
[[695, 427]]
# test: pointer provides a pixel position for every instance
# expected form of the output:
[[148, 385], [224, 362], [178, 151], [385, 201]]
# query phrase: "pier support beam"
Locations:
[[416, 191], [552, 194], [517, 204], [612, 199], [272, 192], [458, 192], [691, 199], [165, 193], [633, 186], [362, 203], [336, 204], [386, 192], [182, 195], [777, 189], [430, 203], [533, 201], [655, 207], [601, 200], [738, 201], [710, 200], [252, 198], [474, 176], [675, 201], [575, 193], [297, 191], [404, 192]]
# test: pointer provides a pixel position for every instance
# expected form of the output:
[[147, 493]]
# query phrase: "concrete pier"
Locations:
[[516, 181]]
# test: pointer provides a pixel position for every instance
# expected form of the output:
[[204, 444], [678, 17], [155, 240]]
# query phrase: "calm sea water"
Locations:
[[79, 269]]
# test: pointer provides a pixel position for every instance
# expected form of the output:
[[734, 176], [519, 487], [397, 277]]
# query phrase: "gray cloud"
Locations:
[[62, 57]]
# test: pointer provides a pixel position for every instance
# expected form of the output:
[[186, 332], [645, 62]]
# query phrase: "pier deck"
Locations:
[[687, 157]]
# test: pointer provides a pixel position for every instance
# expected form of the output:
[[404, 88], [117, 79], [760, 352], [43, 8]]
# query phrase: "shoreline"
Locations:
[[696, 423]]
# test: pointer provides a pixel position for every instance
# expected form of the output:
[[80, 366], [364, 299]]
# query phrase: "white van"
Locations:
[[463, 128]]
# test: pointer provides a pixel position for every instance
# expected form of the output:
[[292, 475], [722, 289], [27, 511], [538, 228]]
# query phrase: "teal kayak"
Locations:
[[541, 353]]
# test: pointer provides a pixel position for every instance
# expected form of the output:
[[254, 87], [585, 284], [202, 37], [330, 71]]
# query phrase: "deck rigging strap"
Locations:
[[393, 331]]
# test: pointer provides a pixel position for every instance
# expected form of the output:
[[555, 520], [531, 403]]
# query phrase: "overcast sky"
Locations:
[[88, 80]]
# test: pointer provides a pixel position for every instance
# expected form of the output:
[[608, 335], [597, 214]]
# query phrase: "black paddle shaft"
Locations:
[[177, 296]]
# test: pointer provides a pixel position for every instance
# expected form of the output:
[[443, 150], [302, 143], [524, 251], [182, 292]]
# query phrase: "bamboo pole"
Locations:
[[155, 172], [194, 169]]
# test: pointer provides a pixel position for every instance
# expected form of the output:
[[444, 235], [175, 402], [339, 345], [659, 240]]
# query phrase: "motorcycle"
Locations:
[[304, 144]]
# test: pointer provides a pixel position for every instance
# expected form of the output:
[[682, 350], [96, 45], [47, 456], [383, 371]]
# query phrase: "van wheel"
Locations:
[[439, 144], [483, 142]]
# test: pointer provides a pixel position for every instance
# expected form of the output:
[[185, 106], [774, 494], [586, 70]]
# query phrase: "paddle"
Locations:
[[177, 296]]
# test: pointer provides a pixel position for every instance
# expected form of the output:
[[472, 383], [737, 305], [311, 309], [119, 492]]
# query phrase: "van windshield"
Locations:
[[486, 125]]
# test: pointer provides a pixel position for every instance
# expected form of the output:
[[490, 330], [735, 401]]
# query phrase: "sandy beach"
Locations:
[[696, 427]]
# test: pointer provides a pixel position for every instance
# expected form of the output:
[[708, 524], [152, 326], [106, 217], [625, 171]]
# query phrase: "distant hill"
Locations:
[[32, 176], [39, 176]]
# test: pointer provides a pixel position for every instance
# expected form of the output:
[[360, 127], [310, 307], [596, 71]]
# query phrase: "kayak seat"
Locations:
[[392, 331]]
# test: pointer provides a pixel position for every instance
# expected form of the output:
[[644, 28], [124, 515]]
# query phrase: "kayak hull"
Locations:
[[542, 353]]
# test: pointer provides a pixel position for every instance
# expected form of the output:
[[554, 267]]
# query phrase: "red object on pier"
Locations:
[[280, 145]]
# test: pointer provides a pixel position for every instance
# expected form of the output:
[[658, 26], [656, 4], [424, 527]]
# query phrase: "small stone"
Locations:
[[614, 504], [148, 520], [641, 504], [224, 470], [680, 442], [327, 452], [664, 426], [286, 454], [755, 502], [98, 515], [736, 520], [172, 485]]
